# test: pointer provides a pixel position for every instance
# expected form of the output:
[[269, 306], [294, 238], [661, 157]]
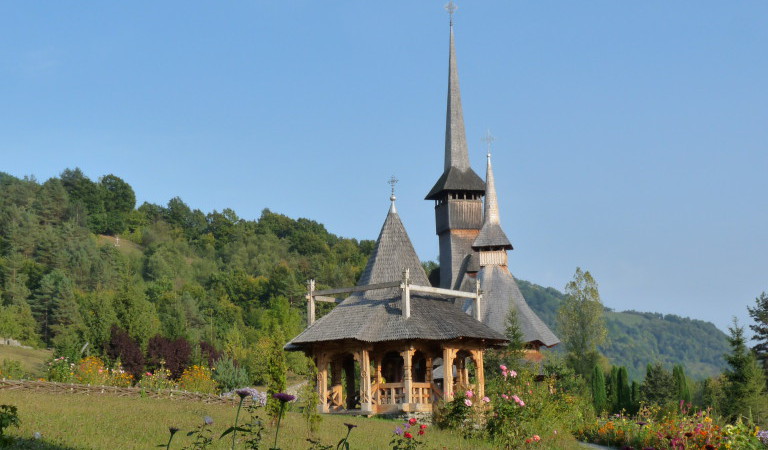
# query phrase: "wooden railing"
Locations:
[[388, 393], [421, 392], [437, 393]]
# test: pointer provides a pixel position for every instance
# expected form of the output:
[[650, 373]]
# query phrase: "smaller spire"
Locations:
[[491, 235], [392, 182]]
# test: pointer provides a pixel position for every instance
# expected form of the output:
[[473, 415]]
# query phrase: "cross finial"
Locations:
[[451, 8], [488, 139], [392, 182]]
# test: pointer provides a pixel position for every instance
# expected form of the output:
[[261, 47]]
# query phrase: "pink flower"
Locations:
[[536, 437], [516, 398], [486, 400], [522, 403], [148, 374], [503, 368], [468, 402], [505, 396], [469, 393], [512, 373]]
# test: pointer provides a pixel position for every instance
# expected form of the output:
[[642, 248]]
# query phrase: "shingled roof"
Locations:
[[500, 294], [376, 316], [491, 235]]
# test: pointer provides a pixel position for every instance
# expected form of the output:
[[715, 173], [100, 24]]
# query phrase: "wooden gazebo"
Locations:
[[377, 350]]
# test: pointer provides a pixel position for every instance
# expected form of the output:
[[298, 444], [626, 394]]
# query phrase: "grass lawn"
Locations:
[[69, 421], [32, 360]]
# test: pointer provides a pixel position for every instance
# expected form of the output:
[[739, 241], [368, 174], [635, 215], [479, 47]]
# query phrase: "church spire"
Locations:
[[456, 153], [491, 235], [458, 175]]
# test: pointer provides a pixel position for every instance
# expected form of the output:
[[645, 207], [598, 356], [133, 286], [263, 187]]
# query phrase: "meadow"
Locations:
[[68, 421]]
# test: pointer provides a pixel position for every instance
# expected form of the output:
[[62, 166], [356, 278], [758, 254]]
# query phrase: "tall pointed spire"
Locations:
[[491, 235], [457, 173], [456, 153]]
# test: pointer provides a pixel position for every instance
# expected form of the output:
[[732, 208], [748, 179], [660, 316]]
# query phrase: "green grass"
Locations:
[[32, 360], [105, 422]]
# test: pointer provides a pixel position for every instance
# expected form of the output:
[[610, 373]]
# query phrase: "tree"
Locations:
[[599, 398], [659, 386], [760, 315], [581, 323], [624, 392], [682, 388], [745, 393], [516, 345]]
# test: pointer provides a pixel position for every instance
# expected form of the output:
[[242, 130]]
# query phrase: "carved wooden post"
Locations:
[[365, 381], [448, 354], [311, 304], [406, 294], [322, 382], [407, 376], [477, 356]]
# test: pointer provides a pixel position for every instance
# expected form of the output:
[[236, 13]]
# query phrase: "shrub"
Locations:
[[9, 416], [159, 379], [11, 369], [122, 347], [173, 354], [91, 370], [61, 370], [198, 379], [229, 375]]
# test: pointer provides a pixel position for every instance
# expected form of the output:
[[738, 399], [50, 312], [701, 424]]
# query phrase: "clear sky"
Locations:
[[632, 137]]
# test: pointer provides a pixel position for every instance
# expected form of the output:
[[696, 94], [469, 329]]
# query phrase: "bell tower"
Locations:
[[458, 193]]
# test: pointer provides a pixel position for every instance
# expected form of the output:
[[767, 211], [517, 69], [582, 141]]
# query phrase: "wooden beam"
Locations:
[[320, 298], [441, 291], [369, 287]]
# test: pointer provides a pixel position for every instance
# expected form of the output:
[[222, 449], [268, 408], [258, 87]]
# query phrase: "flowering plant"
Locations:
[[198, 379], [409, 435], [61, 369]]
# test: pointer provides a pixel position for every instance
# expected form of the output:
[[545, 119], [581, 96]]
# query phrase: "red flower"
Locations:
[[421, 432], [408, 435], [412, 421]]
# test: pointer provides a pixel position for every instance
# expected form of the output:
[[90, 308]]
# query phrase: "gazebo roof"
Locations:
[[376, 315]]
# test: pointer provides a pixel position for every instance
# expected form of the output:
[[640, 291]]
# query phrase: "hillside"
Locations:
[[216, 281], [638, 338]]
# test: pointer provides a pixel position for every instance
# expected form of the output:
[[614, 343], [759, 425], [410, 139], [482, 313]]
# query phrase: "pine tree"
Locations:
[[760, 315], [613, 390], [745, 392], [599, 398], [516, 346]]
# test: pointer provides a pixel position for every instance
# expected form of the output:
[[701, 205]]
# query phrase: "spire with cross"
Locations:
[[392, 182], [488, 139], [451, 8]]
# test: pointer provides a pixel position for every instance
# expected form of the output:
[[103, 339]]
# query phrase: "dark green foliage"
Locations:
[[173, 354], [276, 372], [636, 338], [682, 388], [744, 388], [658, 387], [759, 314], [230, 375], [516, 346], [624, 392], [599, 398], [9, 417]]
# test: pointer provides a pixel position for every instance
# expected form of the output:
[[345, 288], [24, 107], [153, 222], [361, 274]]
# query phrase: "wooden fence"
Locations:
[[87, 389]]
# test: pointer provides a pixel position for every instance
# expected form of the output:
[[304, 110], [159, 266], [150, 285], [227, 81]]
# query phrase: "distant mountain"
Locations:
[[638, 338]]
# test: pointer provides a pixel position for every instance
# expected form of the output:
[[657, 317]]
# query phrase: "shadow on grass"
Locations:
[[34, 444]]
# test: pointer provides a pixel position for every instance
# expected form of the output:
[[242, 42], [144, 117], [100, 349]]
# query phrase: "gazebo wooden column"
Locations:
[[407, 355], [366, 399], [322, 382], [477, 356], [448, 355]]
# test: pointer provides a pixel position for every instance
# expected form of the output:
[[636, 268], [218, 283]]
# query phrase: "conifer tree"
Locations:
[[599, 398], [745, 392], [760, 315], [681, 383], [624, 393], [276, 371]]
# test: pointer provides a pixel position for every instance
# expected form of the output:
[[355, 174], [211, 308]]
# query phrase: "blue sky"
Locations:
[[632, 137]]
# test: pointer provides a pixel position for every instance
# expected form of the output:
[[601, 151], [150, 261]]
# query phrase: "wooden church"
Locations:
[[397, 344]]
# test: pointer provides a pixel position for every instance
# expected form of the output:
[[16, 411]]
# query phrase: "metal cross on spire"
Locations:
[[392, 182], [488, 139], [451, 8]]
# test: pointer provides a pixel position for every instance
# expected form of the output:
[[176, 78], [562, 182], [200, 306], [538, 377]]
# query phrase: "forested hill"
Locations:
[[638, 338], [214, 279]]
